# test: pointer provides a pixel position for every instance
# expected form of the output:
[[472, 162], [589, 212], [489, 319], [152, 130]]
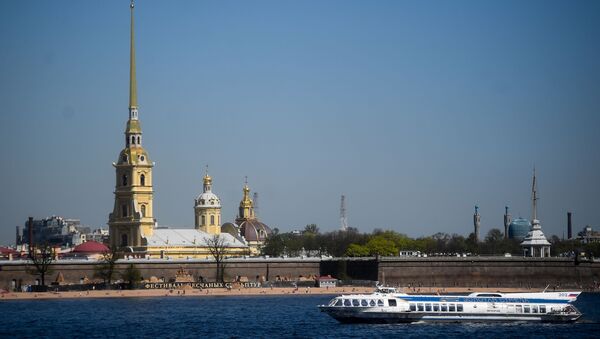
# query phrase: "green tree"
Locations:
[[379, 245], [131, 275], [311, 229], [356, 250]]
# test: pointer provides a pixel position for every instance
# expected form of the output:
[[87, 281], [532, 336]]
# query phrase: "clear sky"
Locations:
[[415, 110]]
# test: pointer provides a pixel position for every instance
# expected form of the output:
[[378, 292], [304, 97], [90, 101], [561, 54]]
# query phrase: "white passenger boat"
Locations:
[[386, 305]]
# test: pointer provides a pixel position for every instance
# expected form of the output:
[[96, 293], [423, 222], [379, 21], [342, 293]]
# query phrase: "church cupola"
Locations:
[[246, 210], [207, 209]]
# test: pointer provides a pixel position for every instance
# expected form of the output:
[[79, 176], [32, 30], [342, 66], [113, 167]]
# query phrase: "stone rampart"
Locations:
[[489, 272], [74, 272]]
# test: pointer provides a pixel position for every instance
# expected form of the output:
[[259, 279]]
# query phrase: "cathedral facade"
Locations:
[[132, 225]]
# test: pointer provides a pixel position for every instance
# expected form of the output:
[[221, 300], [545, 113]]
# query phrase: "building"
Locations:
[[53, 230], [518, 229], [247, 227], [588, 235], [132, 224], [476, 223], [507, 221], [535, 243], [91, 250], [207, 209]]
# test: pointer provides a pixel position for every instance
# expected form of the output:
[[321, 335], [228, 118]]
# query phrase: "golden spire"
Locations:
[[207, 178], [132, 82]]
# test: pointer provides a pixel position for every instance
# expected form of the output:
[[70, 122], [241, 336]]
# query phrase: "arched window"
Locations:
[[203, 220], [124, 179], [143, 180], [143, 211], [212, 219], [124, 240], [124, 210], [138, 140], [127, 141]]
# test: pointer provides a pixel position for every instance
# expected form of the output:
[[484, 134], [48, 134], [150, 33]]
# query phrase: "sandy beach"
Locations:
[[233, 292]]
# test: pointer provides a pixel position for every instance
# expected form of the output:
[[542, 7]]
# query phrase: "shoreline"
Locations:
[[240, 292]]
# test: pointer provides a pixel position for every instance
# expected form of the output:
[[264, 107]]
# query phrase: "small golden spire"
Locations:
[[207, 177], [132, 82]]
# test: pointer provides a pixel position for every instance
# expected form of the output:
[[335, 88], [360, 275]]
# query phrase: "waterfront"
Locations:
[[256, 316]]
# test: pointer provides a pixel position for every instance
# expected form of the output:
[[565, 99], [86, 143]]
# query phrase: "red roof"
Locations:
[[90, 247], [6, 250]]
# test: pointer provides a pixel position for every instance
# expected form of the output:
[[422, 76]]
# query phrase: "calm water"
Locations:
[[278, 316]]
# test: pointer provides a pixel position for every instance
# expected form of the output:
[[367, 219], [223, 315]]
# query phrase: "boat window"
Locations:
[[428, 307], [364, 303], [451, 308], [444, 308], [489, 295], [347, 302], [413, 307], [534, 309], [355, 302], [519, 309], [379, 302], [542, 308], [420, 307], [459, 307], [526, 309], [392, 302], [436, 307], [372, 303], [339, 302]]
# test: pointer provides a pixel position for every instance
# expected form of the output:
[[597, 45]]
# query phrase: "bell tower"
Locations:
[[132, 219], [246, 209]]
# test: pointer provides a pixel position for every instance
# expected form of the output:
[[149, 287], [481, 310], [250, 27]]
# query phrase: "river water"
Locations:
[[251, 316]]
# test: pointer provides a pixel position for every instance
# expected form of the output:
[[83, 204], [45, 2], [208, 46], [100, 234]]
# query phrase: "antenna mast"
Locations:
[[343, 219]]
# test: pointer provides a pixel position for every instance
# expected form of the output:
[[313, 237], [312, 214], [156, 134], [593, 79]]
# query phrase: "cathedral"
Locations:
[[132, 224]]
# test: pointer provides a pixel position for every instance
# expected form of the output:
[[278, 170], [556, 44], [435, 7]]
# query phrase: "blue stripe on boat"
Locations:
[[482, 300]]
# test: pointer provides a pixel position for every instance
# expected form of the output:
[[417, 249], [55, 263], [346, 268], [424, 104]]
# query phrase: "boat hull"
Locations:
[[370, 315]]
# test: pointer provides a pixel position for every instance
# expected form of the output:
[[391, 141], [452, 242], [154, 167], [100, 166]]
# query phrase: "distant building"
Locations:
[[247, 227], [535, 243], [54, 230], [518, 229], [588, 235], [507, 221], [132, 224], [476, 223]]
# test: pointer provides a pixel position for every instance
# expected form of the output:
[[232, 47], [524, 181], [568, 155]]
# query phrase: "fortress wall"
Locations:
[[488, 272], [435, 272], [74, 271]]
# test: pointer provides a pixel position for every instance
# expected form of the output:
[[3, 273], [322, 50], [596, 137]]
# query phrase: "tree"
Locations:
[[106, 269], [41, 257], [217, 248], [274, 245], [311, 229], [494, 235], [356, 250], [379, 245], [131, 275]]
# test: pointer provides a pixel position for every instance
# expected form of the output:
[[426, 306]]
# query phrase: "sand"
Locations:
[[236, 292]]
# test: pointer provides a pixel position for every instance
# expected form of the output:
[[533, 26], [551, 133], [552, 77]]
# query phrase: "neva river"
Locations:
[[237, 317]]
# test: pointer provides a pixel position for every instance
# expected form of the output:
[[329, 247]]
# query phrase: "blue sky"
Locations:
[[415, 110]]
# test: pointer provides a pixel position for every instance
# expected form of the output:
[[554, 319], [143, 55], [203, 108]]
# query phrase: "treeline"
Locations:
[[351, 243]]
